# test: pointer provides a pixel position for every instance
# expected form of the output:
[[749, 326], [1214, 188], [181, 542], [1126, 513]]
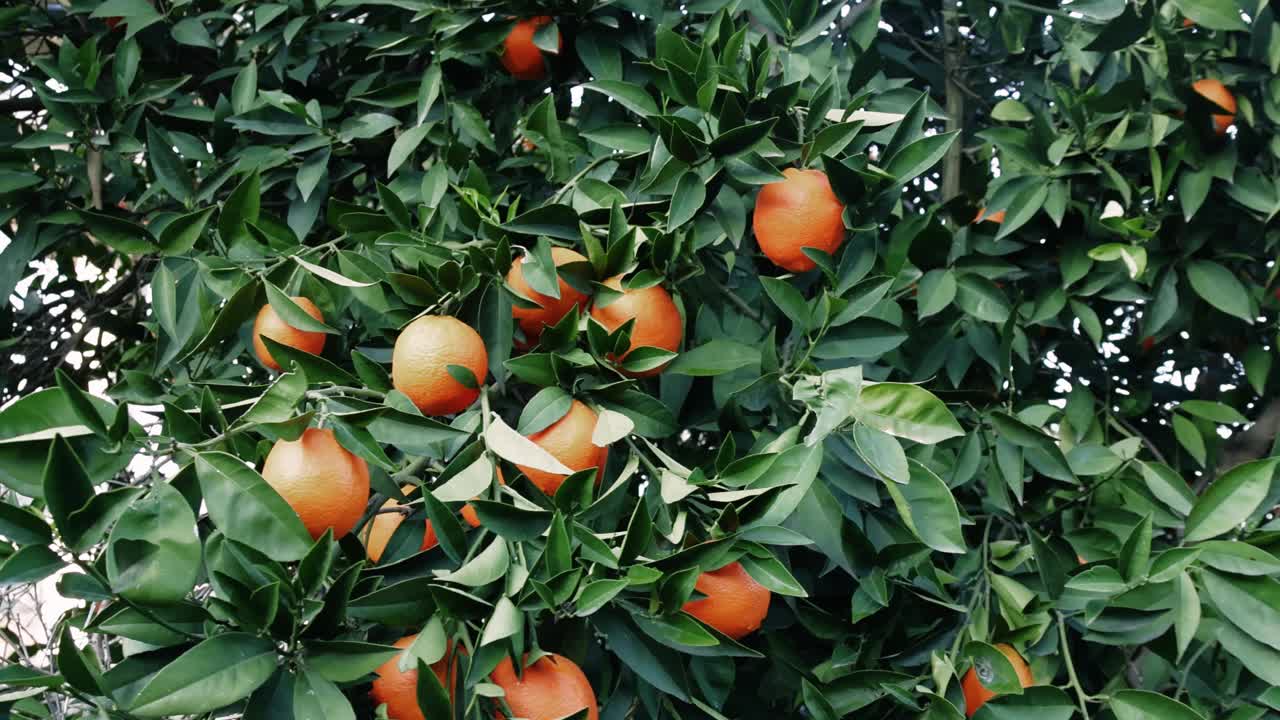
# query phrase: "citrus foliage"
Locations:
[[684, 438]]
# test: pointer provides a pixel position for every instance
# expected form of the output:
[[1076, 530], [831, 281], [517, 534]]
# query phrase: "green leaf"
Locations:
[[154, 553], [787, 298], [629, 95], [406, 603], [1189, 438], [192, 32], [929, 510], [277, 404], [937, 291], [882, 452], [182, 233], [171, 173], [1010, 110], [557, 221], [771, 573], [292, 314], [29, 565], [980, 297], [1136, 552], [657, 665], [1187, 619], [317, 698], [1144, 705], [211, 675], [544, 410], [67, 488], [919, 156], [1230, 500], [906, 411], [716, 357], [428, 90], [432, 696], [1212, 14], [1168, 486], [688, 197], [994, 668], [315, 368], [741, 138], [509, 522], [1133, 257], [627, 138], [1238, 558], [404, 146], [1220, 288], [245, 508], [1213, 411], [487, 566], [244, 91], [312, 171], [23, 527], [242, 206], [122, 235], [1252, 603]]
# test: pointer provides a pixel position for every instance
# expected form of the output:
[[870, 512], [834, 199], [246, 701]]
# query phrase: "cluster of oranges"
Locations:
[[329, 487]]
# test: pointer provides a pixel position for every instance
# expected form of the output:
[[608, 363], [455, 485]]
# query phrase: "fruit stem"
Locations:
[[1071, 668]]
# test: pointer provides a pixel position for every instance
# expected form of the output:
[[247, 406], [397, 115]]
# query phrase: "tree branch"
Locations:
[[953, 52]]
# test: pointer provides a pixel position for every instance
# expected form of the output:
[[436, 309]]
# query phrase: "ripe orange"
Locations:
[[324, 483], [424, 351], [1188, 23], [520, 56], [976, 695], [569, 441], [399, 690], [469, 513], [996, 217], [553, 687], [735, 604], [798, 212], [383, 525], [1218, 94], [551, 309], [657, 318], [271, 325]]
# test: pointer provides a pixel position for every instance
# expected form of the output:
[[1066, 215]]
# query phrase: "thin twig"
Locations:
[[738, 302]]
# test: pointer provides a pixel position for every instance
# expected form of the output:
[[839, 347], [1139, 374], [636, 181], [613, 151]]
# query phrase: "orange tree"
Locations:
[[780, 358]]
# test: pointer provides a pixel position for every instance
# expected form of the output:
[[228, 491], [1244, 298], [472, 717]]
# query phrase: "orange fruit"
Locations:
[[520, 56], [553, 687], [996, 217], [550, 310], [658, 322], [975, 695], [383, 525], [735, 604], [421, 358], [399, 690], [569, 441], [324, 483], [270, 324], [1218, 94], [798, 212], [469, 513], [1188, 23]]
